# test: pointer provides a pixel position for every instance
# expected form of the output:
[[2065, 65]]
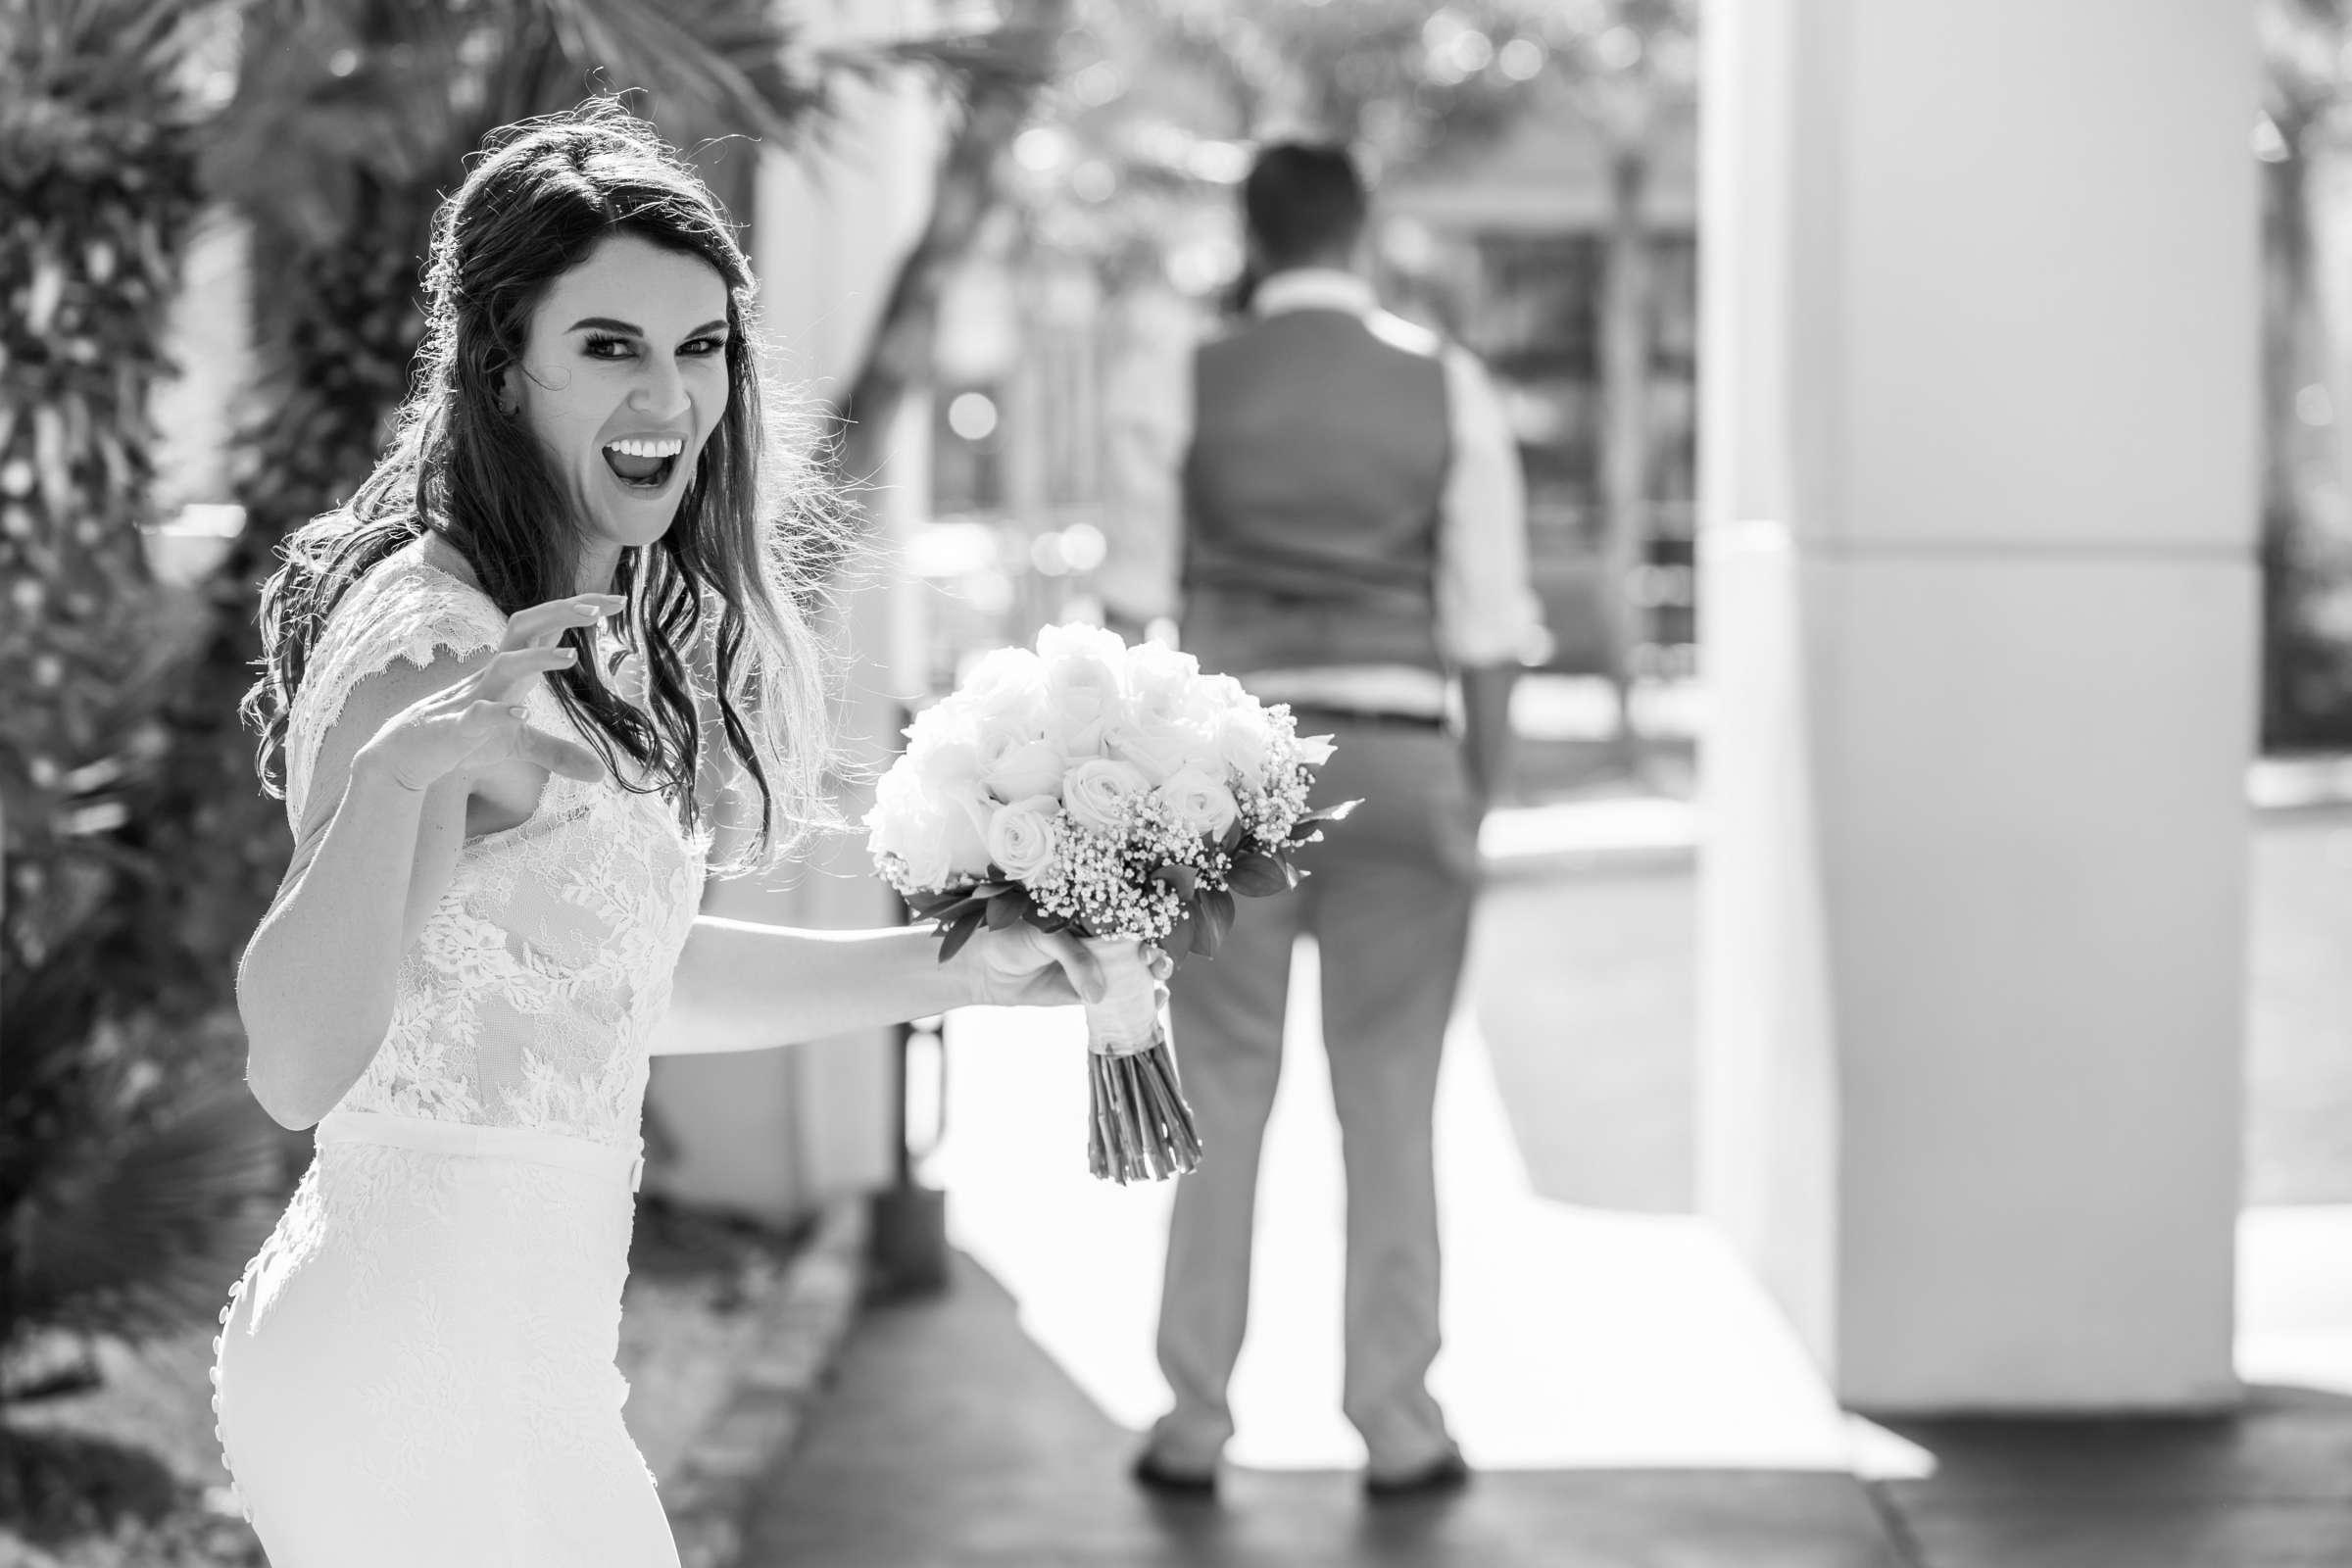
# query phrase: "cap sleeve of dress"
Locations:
[[399, 610]]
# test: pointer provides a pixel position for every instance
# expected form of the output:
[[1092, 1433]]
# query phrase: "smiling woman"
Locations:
[[625, 406], [590, 418], [555, 640]]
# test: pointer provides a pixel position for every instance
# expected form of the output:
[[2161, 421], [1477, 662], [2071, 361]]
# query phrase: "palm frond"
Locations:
[[121, 1213], [726, 60], [968, 66], [136, 1227]]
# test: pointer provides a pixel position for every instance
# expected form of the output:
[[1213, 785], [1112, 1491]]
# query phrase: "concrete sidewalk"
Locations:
[[952, 1439], [1628, 1394]]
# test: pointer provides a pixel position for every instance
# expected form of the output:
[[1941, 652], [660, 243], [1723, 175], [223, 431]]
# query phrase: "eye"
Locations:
[[701, 347], [605, 346]]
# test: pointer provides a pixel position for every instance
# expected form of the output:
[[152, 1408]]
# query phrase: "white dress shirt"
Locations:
[[1487, 613]]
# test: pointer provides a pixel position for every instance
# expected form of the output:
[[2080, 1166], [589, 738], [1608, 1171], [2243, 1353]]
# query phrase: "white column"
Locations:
[[1979, 300]]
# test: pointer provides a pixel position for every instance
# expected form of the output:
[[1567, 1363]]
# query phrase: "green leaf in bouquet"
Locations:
[[1205, 935], [1257, 874], [1232, 839], [929, 902], [1215, 918], [1183, 878], [1179, 941], [962, 904], [1308, 829], [1008, 909], [958, 934]]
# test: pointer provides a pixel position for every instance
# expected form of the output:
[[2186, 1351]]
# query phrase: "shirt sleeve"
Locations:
[[1488, 613], [1147, 432]]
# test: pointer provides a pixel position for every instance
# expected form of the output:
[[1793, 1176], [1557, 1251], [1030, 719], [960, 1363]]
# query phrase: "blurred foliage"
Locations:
[[132, 1165], [75, 1499], [966, 189], [1159, 103], [98, 191], [1132, 168], [133, 1193], [2303, 132]]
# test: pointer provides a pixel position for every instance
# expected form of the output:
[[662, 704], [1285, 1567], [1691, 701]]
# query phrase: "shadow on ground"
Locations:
[[2269, 1485], [951, 1440]]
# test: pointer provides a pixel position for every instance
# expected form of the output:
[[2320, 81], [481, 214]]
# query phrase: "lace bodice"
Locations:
[[532, 994]]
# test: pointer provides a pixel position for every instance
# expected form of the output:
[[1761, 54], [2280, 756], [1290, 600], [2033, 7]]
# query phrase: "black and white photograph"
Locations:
[[1175, 784]]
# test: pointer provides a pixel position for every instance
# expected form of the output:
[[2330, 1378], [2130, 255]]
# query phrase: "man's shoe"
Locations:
[[1154, 1474], [1450, 1472]]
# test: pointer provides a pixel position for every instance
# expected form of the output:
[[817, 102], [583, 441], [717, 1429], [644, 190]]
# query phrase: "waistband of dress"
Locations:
[[469, 1139]]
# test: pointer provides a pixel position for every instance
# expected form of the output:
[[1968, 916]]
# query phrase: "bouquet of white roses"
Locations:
[[1115, 792]]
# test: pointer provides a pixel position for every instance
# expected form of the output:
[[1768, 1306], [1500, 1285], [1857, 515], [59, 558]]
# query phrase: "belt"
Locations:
[[472, 1140], [1318, 713]]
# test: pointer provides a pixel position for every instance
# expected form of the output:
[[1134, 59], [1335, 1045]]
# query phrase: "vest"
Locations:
[[1311, 494]]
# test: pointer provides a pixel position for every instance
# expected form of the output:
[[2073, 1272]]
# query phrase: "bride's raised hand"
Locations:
[[475, 723]]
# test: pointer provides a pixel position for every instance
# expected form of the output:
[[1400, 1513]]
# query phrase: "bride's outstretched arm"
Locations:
[[742, 985]]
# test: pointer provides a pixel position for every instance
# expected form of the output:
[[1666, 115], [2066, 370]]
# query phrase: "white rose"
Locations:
[[1097, 790], [1022, 838], [1084, 693], [1157, 675], [968, 814], [914, 829], [1199, 801], [1246, 740], [1077, 640], [1223, 693], [941, 833], [947, 768], [1031, 767], [1007, 700], [1000, 670], [939, 725], [1082, 704], [1157, 749]]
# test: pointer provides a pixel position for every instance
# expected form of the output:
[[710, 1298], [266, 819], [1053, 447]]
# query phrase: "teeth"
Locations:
[[667, 447]]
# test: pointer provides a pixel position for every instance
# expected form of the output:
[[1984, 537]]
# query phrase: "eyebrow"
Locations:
[[606, 323]]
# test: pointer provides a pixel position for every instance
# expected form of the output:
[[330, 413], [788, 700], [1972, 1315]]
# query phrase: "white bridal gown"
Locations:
[[418, 1368]]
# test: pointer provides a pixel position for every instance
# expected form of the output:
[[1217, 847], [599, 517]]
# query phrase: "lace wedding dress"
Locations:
[[417, 1367]]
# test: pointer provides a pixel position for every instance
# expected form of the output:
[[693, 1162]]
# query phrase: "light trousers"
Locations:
[[1389, 902]]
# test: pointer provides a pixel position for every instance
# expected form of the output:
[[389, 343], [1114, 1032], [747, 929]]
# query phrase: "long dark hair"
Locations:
[[725, 593]]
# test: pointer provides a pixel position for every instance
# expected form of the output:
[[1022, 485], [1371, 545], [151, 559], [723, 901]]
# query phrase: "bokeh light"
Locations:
[[1083, 546], [973, 416], [1521, 60]]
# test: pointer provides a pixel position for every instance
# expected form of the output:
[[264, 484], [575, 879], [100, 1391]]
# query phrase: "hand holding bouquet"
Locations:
[[1110, 791]]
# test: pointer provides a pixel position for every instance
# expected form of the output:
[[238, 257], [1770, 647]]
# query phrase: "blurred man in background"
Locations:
[[1351, 517]]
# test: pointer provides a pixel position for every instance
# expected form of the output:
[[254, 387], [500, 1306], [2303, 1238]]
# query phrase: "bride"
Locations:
[[549, 657]]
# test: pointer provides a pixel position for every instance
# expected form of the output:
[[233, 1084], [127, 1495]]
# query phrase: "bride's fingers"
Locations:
[[1078, 965], [499, 680], [542, 624], [484, 721]]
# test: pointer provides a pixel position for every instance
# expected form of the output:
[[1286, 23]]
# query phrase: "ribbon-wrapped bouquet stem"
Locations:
[[1110, 791]]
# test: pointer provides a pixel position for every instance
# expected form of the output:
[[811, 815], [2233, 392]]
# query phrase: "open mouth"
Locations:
[[644, 465]]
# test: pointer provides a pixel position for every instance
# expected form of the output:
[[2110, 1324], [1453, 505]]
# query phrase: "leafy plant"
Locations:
[[131, 1194], [129, 1171]]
